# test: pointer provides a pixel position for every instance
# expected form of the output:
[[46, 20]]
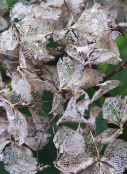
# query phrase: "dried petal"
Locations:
[[4, 140], [36, 130], [75, 111], [116, 153], [69, 141], [108, 136], [17, 122], [104, 88], [115, 110], [86, 79], [58, 103], [20, 10], [66, 70], [8, 42], [19, 159], [34, 39], [92, 22], [3, 23], [69, 165], [21, 86], [46, 12]]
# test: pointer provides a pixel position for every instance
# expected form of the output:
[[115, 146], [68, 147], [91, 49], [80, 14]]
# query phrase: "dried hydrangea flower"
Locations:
[[115, 112], [17, 124], [116, 152], [19, 159]]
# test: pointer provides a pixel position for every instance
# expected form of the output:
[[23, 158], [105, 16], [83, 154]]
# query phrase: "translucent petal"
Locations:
[[8, 41], [68, 164], [104, 88], [108, 136], [66, 69], [3, 24], [86, 79], [36, 130], [19, 160], [58, 104], [75, 111], [116, 152], [115, 110], [50, 13], [17, 122], [69, 141], [21, 86], [20, 10], [92, 22]]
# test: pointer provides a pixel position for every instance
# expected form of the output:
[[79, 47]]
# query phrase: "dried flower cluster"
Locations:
[[75, 36]]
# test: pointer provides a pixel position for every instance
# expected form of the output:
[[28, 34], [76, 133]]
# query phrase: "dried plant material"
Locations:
[[115, 111], [8, 42], [37, 85], [92, 23], [52, 74], [69, 165], [100, 167], [75, 110], [86, 79], [79, 35], [105, 52], [92, 149], [18, 127], [19, 160], [100, 164], [10, 64], [20, 10], [69, 141], [58, 104], [3, 7], [17, 122], [1, 81], [94, 113], [55, 3], [74, 5], [71, 145], [3, 121], [116, 152], [108, 136], [22, 61], [107, 3], [81, 53], [59, 35], [3, 24], [104, 88], [37, 132], [50, 13], [5, 139], [21, 86], [13, 97], [66, 70], [66, 36], [82, 104], [34, 39]]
